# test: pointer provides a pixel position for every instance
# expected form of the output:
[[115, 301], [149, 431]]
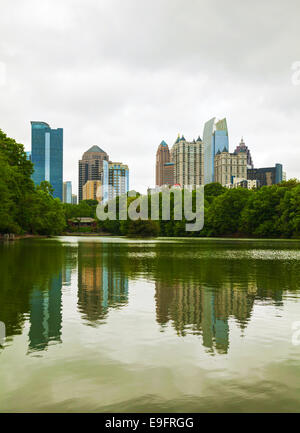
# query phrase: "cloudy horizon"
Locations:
[[127, 74]]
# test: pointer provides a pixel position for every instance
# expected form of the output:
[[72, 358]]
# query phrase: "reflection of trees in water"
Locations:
[[101, 285], [30, 285]]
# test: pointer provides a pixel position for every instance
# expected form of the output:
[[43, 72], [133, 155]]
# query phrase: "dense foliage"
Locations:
[[270, 212], [24, 207]]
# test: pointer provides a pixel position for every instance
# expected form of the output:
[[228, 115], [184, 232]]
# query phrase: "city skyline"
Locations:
[[127, 90]]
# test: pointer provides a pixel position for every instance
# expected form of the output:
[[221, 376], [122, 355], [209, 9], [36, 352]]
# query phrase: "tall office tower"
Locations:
[[215, 138], [229, 166], [90, 190], [47, 156], [74, 199], [188, 162], [162, 158], [243, 148], [115, 179], [67, 192], [91, 167], [28, 155], [266, 176]]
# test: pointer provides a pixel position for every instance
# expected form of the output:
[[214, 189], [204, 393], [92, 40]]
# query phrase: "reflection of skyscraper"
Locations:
[[192, 309], [100, 285], [46, 315]]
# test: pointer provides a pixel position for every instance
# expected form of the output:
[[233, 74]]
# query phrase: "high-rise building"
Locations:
[[90, 190], [74, 199], [28, 155], [229, 165], [91, 167], [188, 162], [243, 148], [266, 176], [47, 156], [168, 173], [164, 166], [215, 139], [67, 192], [115, 179]]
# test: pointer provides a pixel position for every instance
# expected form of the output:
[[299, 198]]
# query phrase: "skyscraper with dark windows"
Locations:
[[215, 139], [266, 176], [47, 156], [90, 167]]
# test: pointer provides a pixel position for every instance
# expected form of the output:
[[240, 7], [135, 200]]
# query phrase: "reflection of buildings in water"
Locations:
[[66, 275], [99, 287], [46, 315], [193, 309]]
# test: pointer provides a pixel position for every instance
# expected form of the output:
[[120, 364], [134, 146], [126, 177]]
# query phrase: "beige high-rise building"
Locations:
[[188, 162], [90, 190], [228, 165]]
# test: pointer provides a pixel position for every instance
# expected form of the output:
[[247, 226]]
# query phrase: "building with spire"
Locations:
[[164, 169], [188, 162], [243, 148], [215, 139], [91, 167]]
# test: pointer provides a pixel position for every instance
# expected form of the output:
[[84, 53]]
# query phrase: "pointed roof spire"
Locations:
[[95, 148], [178, 138], [198, 139]]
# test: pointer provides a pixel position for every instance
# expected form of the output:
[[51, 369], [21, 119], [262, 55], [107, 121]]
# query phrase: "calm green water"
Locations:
[[167, 325]]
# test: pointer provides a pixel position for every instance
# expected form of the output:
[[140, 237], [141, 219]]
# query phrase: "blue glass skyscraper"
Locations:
[[47, 156], [215, 138]]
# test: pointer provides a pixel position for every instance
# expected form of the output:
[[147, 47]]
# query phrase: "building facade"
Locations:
[[92, 190], [67, 192], [74, 199], [229, 165], [47, 156], [266, 176], [243, 148], [164, 166], [90, 167], [187, 158], [215, 139], [243, 183], [115, 179]]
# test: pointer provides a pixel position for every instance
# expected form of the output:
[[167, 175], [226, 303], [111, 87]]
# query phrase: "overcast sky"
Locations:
[[126, 74]]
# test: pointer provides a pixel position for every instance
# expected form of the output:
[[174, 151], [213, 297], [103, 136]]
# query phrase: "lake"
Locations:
[[165, 325]]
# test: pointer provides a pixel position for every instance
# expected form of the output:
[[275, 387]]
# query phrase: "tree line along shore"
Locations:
[[27, 209]]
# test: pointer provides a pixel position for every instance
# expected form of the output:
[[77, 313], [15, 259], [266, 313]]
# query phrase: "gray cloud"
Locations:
[[125, 74]]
